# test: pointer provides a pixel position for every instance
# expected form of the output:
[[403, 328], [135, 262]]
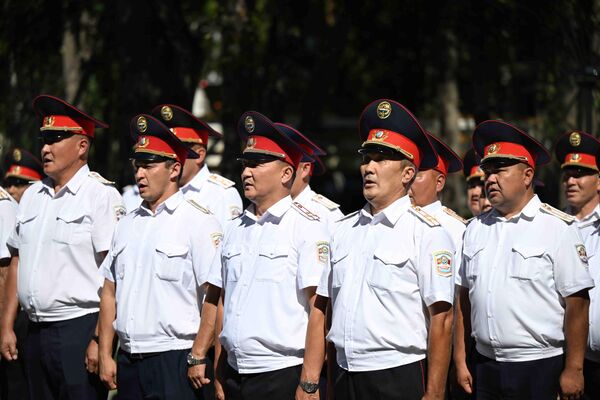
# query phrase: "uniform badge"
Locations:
[[48, 121], [17, 155], [575, 139], [575, 157], [166, 113], [216, 238], [384, 109], [493, 148], [251, 143], [142, 124], [380, 136], [120, 212], [323, 252], [143, 142], [16, 170], [581, 253], [249, 124], [443, 262]]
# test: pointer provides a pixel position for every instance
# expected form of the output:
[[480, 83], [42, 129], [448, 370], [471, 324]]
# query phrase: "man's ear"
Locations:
[[175, 171], [440, 182], [201, 150], [287, 174], [408, 173], [528, 176], [83, 147]]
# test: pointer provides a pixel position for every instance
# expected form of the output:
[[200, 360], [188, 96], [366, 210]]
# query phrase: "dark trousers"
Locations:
[[13, 384], [159, 376], [403, 382], [55, 360], [280, 384], [527, 380], [591, 375]]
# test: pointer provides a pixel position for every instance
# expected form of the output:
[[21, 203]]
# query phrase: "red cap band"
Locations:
[[509, 150], [19, 171], [65, 123], [442, 165], [155, 145], [580, 160], [264, 145], [190, 135], [396, 141]]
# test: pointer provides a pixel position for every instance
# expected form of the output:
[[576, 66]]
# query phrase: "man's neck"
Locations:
[[170, 191], [296, 191], [515, 208], [261, 206], [377, 207], [582, 212]]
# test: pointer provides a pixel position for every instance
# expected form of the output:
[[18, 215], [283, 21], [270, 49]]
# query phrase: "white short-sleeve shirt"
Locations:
[[59, 236], [8, 214], [266, 264], [385, 270], [327, 210], [215, 193], [159, 262], [518, 271]]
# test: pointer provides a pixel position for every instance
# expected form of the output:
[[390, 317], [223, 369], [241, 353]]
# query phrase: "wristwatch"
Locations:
[[309, 387], [195, 361]]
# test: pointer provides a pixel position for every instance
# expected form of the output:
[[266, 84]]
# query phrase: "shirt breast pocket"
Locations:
[[527, 263], [387, 269], [172, 261], [272, 263], [71, 228], [232, 261], [474, 261]]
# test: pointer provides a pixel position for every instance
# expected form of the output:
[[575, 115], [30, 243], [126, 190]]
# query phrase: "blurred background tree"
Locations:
[[313, 64]]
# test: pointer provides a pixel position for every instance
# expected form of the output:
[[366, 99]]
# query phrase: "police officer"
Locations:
[[524, 280], [272, 259], [576, 152], [391, 277], [64, 226], [23, 169], [309, 166], [161, 253], [212, 191], [426, 191], [474, 178]]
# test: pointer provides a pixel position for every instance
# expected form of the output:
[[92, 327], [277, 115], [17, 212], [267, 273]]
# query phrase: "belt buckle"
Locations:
[[136, 356]]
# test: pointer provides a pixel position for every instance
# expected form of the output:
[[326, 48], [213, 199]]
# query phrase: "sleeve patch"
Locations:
[[442, 261], [216, 238], [120, 212], [581, 253], [234, 212], [323, 252]]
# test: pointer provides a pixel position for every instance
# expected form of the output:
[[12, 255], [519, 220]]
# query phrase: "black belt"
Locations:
[[140, 356]]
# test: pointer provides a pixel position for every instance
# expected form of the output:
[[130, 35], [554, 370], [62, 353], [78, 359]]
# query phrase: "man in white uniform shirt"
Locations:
[[272, 259], [523, 281], [64, 227], [576, 152], [210, 190], [155, 275], [426, 192], [309, 166], [390, 283]]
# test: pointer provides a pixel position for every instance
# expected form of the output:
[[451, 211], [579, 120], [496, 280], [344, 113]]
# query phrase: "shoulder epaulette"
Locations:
[[424, 216], [100, 178], [548, 209], [305, 211], [453, 214], [199, 207], [345, 217], [4, 194], [319, 198], [221, 181]]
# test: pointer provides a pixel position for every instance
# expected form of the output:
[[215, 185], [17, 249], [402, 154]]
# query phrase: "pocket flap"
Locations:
[[338, 256], [71, 216], [528, 251], [25, 218], [273, 251], [471, 251], [391, 257], [172, 250], [232, 251]]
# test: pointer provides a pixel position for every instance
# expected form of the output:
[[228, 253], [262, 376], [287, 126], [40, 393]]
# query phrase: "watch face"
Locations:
[[309, 387]]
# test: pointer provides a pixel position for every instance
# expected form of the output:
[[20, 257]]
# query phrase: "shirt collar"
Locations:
[[529, 211], [276, 210], [197, 180], [391, 213], [169, 204], [594, 215], [72, 186], [433, 207]]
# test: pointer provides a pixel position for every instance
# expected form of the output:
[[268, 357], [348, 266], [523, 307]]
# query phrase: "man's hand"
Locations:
[[571, 384], [219, 391], [302, 395], [464, 379], [91, 357], [108, 371], [197, 375], [8, 344]]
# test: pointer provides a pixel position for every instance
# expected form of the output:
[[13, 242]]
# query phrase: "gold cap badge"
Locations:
[[575, 139], [17, 155], [143, 142], [380, 135], [49, 121], [142, 124], [384, 109], [251, 143], [166, 113], [493, 148], [575, 157], [249, 124]]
